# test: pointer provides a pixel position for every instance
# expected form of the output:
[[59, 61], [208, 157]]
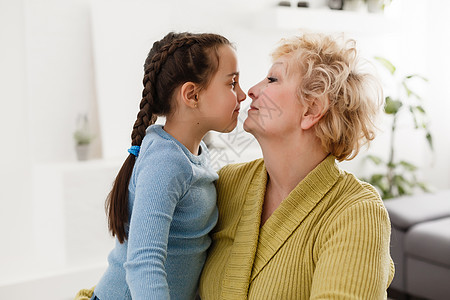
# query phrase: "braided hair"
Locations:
[[172, 61]]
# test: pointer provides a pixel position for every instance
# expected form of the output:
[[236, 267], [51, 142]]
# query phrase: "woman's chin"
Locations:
[[248, 126]]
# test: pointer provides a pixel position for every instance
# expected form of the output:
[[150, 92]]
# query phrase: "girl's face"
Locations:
[[219, 104], [275, 109]]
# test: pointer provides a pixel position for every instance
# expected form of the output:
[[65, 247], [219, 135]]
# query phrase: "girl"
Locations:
[[163, 202]]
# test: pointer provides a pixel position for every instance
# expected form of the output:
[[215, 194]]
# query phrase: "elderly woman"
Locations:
[[293, 225]]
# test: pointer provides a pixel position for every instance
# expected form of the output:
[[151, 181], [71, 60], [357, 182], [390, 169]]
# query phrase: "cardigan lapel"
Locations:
[[293, 210], [240, 263]]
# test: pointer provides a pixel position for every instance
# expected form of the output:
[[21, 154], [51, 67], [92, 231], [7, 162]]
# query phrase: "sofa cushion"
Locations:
[[427, 280], [430, 241], [407, 211]]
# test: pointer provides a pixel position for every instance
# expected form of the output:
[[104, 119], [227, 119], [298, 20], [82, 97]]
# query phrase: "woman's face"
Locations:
[[220, 102], [275, 109]]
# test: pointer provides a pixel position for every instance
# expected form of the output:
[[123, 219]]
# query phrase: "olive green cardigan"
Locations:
[[329, 239]]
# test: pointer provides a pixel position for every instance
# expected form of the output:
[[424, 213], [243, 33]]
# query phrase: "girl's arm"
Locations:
[[160, 184]]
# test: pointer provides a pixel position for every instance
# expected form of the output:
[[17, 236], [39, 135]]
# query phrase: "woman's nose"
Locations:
[[254, 91]]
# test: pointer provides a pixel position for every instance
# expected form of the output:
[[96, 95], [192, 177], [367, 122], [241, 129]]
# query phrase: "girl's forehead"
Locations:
[[228, 59]]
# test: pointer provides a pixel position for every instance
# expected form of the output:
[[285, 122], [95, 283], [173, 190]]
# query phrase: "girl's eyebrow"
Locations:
[[233, 74]]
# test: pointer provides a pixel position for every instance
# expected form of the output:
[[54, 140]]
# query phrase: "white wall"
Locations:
[[418, 45], [15, 161], [437, 64], [46, 79], [60, 74]]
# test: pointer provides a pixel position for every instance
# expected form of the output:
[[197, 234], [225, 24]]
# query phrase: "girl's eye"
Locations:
[[272, 79], [233, 84]]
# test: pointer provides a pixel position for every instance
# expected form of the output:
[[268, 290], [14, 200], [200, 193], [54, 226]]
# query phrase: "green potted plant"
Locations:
[[377, 6], [83, 137], [399, 177]]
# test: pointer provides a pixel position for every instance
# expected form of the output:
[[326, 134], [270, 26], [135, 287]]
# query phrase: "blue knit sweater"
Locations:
[[172, 208]]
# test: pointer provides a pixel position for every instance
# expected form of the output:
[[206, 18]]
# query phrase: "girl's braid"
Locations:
[[148, 108]]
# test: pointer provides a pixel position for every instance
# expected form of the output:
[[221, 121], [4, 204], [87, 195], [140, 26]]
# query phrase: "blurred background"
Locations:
[[71, 66]]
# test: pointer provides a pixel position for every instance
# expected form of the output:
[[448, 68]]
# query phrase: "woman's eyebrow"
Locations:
[[278, 65]]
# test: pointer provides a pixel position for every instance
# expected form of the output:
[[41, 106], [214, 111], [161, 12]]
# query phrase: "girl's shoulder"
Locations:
[[162, 156]]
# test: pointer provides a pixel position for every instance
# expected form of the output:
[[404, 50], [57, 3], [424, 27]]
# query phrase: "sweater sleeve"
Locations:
[[160, 183], [354, 261]]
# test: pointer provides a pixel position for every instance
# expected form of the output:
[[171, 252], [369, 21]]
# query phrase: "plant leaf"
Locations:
[[430, 140], [413, 114], [375, 159], [376, 178], [420, 109], [410, 92], [403, 185], [391, 165], [407, 89], [392, 106], [386, 63], [408, 166], [401, 190], [417, 76], [424, 187], [379, 181]]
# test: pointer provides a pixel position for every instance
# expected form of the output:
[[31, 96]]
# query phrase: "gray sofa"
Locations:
[[420, 246]]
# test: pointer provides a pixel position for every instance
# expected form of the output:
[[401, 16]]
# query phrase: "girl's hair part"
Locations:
[[328, 70], [172, 61]]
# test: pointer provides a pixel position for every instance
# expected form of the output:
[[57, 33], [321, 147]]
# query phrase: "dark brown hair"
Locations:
[[172, 61]]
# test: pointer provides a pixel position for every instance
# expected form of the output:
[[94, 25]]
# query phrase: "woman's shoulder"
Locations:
[[354, 191]]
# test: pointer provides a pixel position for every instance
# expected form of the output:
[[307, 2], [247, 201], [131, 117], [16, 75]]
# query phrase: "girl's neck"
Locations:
[[289, 160], [186, 133]]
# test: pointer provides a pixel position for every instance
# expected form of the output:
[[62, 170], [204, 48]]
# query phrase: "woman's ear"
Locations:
[[189, 94], [314, 112]]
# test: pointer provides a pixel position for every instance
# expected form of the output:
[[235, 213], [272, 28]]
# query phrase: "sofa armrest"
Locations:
[[407, 211]]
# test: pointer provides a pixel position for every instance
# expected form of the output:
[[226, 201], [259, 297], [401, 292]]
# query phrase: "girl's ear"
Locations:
[[188, 93], [314, 112]]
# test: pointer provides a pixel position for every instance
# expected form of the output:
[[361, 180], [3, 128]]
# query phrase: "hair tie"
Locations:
[[134, 150]]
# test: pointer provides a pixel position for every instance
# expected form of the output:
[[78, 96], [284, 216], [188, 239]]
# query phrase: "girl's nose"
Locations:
[[241, 95]]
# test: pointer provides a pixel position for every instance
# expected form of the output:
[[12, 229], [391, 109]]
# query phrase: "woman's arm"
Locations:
[[354, 260]]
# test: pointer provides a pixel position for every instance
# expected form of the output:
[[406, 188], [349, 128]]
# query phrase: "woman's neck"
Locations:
[[289, 160]]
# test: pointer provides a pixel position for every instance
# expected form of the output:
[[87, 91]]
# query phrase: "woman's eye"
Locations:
[[272, 79]]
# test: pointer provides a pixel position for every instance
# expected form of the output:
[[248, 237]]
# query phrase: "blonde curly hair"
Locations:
[[350, 98]]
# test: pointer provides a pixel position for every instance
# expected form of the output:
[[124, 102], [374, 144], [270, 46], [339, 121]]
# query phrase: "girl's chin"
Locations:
[[230, 127]]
